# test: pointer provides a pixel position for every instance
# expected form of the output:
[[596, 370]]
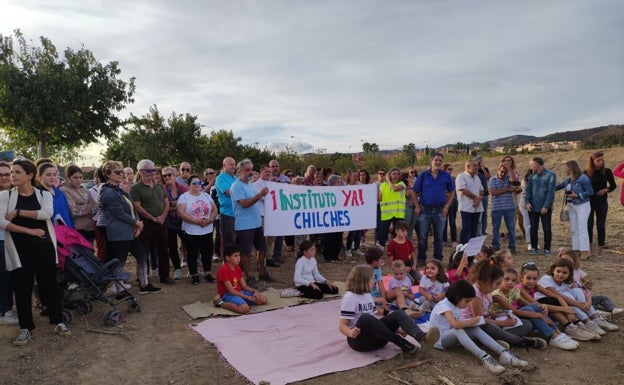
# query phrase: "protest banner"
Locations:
[[299, 210]]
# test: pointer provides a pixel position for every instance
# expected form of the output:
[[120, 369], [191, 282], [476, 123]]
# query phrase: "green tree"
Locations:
[[58, 102], [410, 151]]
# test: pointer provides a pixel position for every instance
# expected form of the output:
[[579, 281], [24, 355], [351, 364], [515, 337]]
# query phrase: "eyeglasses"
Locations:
[[412, 172], [118, 172], [7, 175], [129, 172], [196, 183], [210, 173], [290, 175], [185, 169], [167, 175], [149, 170], [382, 173]]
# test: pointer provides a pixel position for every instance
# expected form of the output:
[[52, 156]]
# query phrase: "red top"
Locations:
[[226, 273]]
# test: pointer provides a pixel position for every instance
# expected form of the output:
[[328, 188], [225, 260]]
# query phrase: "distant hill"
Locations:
[[588, 135]]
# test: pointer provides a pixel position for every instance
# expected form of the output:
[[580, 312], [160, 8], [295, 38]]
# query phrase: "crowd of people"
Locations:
[[172, 217]]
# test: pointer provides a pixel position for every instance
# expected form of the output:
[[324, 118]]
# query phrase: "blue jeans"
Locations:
[[411, 219], [483, 217], [535, 217], [6, 290], [470, 225], [539, 323], [509, 216], [427, 217]]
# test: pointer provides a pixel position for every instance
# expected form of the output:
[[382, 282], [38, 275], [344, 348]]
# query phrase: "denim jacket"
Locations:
[[120, 216], [581, 186], [540, 192]]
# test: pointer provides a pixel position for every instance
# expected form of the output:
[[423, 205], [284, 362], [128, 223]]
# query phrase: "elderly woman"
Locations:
[[578, 190], [30, 247], [173, 223], [123, 227], [197, 211], [391, 197], [82, 206]]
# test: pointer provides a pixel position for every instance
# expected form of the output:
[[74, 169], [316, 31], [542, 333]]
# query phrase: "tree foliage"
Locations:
[[176, 139], [58, 101]]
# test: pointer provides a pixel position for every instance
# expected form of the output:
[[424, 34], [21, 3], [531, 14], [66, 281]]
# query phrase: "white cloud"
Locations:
[[336, 73]]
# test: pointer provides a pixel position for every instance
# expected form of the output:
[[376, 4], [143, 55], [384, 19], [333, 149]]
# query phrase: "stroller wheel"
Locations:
[[106, 316], [134, 305], [67, 316], [114, 318]]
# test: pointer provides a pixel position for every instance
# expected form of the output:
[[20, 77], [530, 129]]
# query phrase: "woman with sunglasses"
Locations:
[[197, 211], [123, 228], [602, 182], [173, 223], [30, 247]]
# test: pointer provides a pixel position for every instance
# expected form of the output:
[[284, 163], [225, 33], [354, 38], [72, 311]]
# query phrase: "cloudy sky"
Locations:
[[334, 74]]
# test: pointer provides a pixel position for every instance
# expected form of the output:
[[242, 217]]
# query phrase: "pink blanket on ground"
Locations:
[[289, 344]]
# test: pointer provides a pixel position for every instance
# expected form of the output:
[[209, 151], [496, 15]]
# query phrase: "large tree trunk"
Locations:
[[41, 149]]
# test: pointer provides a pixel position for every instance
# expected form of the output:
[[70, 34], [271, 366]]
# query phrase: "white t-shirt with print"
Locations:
[[198, 207], [353, 305]]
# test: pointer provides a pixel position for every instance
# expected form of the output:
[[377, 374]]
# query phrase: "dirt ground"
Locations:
[[157, 346]]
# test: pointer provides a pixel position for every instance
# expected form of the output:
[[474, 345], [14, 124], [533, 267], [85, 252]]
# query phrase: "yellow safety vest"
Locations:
[[392, 203]]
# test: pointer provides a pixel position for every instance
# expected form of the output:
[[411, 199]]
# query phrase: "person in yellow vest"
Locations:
[[391, 196]]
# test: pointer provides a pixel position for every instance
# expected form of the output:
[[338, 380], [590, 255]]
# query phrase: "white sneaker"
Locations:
[[348, 254], [183, 264], [22, 338], [593, 326], [563, 342], [215, 258], [606, 325], [491, 364], [425, 307], [126, 286], [504, 344], [290, 292], [604, 315], [617, 312], [62, 330], [508, 358], [357, 252], [9, 318], [588, 330], [579, 334], [177, 274]]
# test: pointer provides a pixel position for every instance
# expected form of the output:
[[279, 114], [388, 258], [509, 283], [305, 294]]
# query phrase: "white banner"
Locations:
[[300, 210]]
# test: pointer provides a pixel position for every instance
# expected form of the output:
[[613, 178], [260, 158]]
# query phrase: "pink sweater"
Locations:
[[619, 172]]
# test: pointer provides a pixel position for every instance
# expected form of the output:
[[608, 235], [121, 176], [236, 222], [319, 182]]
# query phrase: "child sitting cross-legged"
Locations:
[[366, 332], [446, 316], [235, 294]]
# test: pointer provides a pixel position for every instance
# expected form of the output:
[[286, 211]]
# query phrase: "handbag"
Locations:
[[564, 214]]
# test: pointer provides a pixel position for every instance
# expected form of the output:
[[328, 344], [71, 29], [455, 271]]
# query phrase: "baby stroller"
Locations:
[[86, 278]]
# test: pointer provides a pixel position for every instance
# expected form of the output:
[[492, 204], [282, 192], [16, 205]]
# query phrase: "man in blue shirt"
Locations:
[[503, 207], [434, 191], [539, 199], [223, 183], [248, 219]]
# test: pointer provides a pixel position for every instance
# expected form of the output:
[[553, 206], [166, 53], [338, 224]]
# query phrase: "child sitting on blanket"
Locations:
[[308, 279], [400, 286], [373, 260], [235, 294], [366, 332]]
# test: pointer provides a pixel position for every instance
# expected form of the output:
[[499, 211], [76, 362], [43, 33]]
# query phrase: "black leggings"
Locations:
[[198, 244], [310, 292], [375, 333]]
